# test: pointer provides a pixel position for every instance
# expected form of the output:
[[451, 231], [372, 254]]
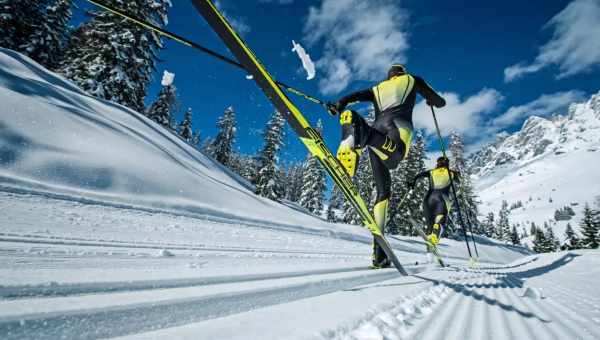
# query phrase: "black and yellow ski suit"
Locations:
[[436, 203], [388, 139]]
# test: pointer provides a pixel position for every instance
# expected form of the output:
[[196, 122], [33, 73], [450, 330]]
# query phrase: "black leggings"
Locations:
[[385, 137], [434, 204]]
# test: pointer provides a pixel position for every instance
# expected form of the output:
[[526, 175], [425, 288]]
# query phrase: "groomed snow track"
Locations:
[[142, 314]]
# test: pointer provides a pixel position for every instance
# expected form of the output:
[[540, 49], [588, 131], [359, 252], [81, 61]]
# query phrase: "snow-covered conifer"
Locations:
[[185, 127], [163, 109], [19, 20], [268, 181], [222, 146], [46, 43], [589, 229], [112, 58], [313, 183]]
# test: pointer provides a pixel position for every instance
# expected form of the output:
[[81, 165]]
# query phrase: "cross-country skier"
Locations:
[[387, 139], [436, 203]]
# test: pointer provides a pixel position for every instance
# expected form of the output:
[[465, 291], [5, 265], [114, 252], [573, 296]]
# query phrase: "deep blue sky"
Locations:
[[459, 46]]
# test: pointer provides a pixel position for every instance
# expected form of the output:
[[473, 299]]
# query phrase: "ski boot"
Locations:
[[434, 237], [348, 153], [380, 260]]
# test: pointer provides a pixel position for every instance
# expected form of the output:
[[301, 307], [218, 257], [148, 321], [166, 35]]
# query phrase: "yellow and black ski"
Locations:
[[309, 136]]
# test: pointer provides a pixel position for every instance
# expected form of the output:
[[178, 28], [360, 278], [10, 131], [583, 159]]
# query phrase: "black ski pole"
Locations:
[[328, 106], [443, 148]]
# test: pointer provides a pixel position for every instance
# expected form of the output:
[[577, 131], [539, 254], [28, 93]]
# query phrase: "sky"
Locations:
[[496, 63]]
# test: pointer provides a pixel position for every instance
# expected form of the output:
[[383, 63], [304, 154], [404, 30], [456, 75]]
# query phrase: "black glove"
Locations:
[[332, 109]]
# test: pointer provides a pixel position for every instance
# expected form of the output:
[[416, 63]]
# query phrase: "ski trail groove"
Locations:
[[100, 323], [27, 291], [565, 320]]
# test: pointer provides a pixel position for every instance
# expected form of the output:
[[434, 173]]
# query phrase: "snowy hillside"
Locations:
[[547, 165], [56, 139]]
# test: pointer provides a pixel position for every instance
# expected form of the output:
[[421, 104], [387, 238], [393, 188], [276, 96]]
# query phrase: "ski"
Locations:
[[433, 249], [308, 135]]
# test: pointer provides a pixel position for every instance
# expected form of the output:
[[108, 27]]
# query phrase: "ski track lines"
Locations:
[[15, 292], [475, 304], [72, 318]]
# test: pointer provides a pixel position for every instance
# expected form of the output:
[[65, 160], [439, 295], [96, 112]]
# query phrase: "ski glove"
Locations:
[[332, 108]]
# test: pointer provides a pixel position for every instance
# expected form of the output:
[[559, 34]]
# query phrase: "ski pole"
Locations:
[[442, 147], [177, 38]]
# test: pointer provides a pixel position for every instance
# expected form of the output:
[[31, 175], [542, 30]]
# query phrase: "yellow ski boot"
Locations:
[[346, 153], [433, 237]]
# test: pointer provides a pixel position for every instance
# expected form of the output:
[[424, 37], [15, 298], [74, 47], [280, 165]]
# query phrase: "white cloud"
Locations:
[[356, 47], [464, 117], [545, 105], [238, 23], [575, 44]]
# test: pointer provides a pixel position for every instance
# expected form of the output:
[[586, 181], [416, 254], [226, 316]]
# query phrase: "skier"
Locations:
[[436, 203], [389, 137]]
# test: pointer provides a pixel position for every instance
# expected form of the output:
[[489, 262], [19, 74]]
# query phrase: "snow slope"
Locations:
[[548, 164], [55, 138]]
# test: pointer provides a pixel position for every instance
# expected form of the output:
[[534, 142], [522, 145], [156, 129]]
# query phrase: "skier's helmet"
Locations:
[[443, 162], [396, 70]]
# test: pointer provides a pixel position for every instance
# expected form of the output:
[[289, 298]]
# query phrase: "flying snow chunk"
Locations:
[[167, 78], [249, 77], [307, 63]]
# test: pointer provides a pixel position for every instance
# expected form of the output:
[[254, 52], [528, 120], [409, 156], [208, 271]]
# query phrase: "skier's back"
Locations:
[[389, 137], [436, 203]]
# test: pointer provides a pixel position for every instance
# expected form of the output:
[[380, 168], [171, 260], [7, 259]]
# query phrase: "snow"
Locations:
[[307, 63], [167, 78], [548, 164], [112, 227]]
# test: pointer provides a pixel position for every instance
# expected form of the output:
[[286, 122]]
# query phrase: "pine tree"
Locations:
[[243, 165], [268, 181], [571, 239], [589, 229], [514, 236], [489, 225], [331, 215], [552, 242], [539, 241], [222, 146], [46, 43], [466, 195], [112, 58], [503, 231], [196, 139], [166, 104], [401, 177], [336, 201], [314, 185], [293, 186], [185, 127], [19, 20]]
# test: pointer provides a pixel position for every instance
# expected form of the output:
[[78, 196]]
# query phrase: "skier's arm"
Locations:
[[359, 96], [432, 98]]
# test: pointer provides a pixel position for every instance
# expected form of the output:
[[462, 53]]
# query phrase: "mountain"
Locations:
[[548, 164]]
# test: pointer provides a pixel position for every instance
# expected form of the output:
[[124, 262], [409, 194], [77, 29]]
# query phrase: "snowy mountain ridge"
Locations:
[[547, 165], [540, 137]]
